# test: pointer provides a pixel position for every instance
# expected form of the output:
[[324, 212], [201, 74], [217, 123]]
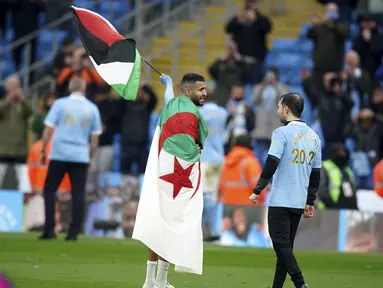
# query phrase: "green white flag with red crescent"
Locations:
[[170, 210]]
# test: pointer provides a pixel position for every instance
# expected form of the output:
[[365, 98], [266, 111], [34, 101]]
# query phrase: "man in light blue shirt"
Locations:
[[295, 158], [211, 161], [74, 121]]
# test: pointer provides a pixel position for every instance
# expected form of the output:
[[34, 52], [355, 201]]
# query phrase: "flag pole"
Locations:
[[151, 66]]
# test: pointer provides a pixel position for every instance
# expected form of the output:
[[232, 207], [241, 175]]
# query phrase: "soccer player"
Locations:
[[169, 214], [295, 158]]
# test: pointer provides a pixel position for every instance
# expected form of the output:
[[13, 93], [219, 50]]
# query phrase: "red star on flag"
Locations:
[[179, 178]]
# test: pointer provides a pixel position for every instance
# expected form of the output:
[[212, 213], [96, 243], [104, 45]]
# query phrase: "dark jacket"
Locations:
[[109, 119], [135, 116], [251, 39], [226, 74], [333, 111], [370, 52], [328, 46]]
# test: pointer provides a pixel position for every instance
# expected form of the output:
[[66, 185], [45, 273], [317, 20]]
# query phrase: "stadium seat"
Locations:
[[44, 40], [284, 45], [304, 30], [118, 8], [348, 45], [354, 30], [289, 60], [306, 46]]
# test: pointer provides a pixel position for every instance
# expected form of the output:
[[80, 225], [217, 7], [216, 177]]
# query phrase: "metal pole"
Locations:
[[192, 9], [26, 71], [175, 56], [138, 19], [111, 10], [202, 42], [55, 41], [165, 19]]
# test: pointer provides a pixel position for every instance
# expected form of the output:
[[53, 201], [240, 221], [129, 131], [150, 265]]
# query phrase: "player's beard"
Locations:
[[283, 121], [196, 102]]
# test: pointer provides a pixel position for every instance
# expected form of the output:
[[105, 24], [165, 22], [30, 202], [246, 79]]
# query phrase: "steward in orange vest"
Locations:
[[378, 178], [38, 172], [240, 173]]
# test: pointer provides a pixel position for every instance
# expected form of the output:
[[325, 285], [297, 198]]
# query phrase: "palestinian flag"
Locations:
[[169, 214], [115, 58]]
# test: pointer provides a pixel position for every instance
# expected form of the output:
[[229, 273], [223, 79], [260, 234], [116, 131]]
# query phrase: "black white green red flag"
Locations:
[[115, 58]]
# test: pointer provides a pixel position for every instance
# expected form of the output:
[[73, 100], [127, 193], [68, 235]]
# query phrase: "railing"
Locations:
[[131, 17], [169, 20]]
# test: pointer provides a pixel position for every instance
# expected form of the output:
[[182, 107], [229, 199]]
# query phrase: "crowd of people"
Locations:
[[344, 90]]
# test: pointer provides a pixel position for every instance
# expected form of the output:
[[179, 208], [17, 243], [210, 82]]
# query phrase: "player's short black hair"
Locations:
[[192, 78], [294, 102]]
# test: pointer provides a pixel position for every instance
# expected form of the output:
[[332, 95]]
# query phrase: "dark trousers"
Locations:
[[283, 225], [77, 175], [132, 153]]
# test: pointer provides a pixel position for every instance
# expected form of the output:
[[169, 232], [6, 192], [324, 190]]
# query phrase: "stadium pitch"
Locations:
[[107, 263]]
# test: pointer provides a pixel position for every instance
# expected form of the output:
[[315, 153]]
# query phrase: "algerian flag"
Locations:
[[170, 210], [115, 58]]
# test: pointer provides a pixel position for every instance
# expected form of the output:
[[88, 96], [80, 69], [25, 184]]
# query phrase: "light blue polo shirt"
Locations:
[[74, 119]]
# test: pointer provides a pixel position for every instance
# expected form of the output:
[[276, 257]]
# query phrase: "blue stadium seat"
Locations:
[[83, 3], [44, 40], [284, 45], [304, 30], [348, 45], [119, 8], [289, 60], [306, 46], [7, 68], [354, 30]]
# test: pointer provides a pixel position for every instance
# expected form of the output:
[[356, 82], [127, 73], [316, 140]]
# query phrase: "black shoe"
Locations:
[[47, 236], [71, 238]]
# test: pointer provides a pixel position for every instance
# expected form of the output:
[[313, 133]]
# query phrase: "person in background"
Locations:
[[266, 96], [378, 178], [334, 106], [77, 127], [108, 103], [227, 71], [337, 189], [249, 30], [357, 82], [369, 44], [37, 125], [79, 67], [37, 172], [367, 133], [134, 117], [329, 38], [211, 162], [240, 173], [241, 118], [64, 57], [14, 114]]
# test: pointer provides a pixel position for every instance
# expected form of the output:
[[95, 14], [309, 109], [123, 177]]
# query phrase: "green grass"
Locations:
[[108, 263]]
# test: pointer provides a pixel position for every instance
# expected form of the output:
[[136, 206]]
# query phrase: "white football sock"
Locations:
[[162, 274], [151, 272]]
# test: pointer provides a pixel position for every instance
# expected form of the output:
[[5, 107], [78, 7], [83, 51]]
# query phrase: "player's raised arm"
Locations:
[[169, 93]]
